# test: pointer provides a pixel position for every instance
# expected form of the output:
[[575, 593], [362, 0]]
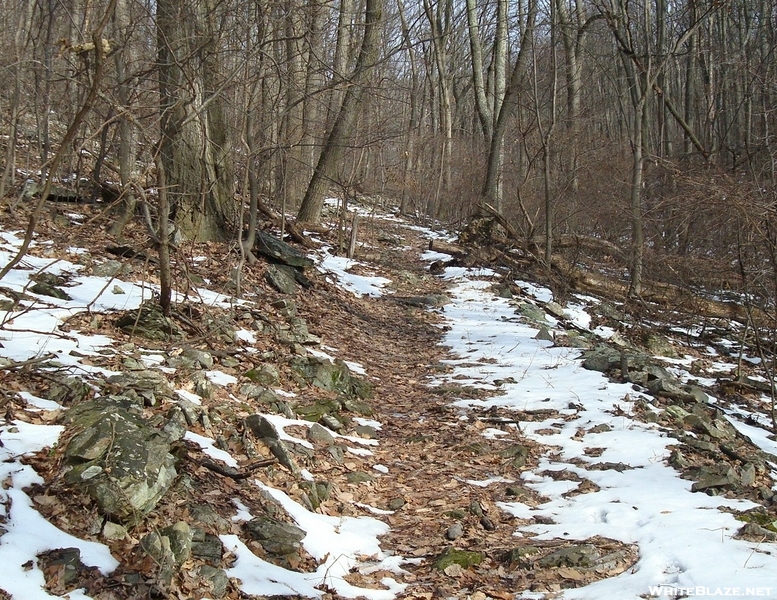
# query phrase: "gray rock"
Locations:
[[544, 334], [555, 309], [578, 555], [202, 358], [261, 427], [118, 458], [359, 477], [180, 536], [109, 268], [264, 374], [710, 478], [659, 345], [747, 475], [206, 516], [531, 312], [601, 358], [396, 503], [207, 547], [175, 427], [320, 434], [68, 563], [276, 537], [332, 422], [191, 411], [285, 306], [169, 547], [517, 453], [150, 322], [455, 531], [46, 289], [330, 376], [216, 578], [676, 412], [280, 277], [521, 557], [114, 531], [366, 431], [271, 247], [148, 385], [68, 390]]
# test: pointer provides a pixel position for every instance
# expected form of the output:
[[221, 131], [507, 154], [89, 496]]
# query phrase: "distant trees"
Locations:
[[593, 117]]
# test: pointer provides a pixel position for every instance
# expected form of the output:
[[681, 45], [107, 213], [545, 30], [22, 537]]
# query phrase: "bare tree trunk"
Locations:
[[24, 19], [123, 60], [517, 77], [312, 203], [194, 141]]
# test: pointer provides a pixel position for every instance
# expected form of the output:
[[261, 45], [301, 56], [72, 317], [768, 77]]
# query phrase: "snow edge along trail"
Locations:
[[686, 545]]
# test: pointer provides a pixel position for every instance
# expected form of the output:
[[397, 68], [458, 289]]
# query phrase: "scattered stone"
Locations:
[[521, 557], [455, 531], [264, 374], [217, 578], [201, 357], [281, 277], [276, 537], [321, 435], [544, 334], [578, 555], [149, 321], [46, 289]]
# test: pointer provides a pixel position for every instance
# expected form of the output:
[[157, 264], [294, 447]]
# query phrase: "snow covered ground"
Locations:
[[685, 541]]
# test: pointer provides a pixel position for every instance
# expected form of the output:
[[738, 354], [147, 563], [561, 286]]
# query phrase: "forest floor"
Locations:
[[441, 474]]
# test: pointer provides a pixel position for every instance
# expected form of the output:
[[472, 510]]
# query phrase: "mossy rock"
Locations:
[[149, 321], [316, 411], [454, 556], [765, 520], [330, 376]]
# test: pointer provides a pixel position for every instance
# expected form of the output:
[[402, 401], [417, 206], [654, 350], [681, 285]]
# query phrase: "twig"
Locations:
[[227, 471], [25, 363]]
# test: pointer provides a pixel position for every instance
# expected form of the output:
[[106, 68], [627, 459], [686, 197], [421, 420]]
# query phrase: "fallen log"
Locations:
[[448, 248]]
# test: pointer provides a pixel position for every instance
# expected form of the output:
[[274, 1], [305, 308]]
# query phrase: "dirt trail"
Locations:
[[429, 448]]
